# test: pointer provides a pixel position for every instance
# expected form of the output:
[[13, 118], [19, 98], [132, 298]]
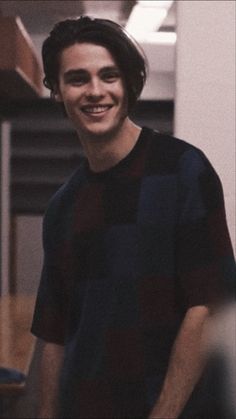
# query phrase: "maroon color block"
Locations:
[[94, 399], [124, 357], [157, 302], [219, 233], [89, 213]]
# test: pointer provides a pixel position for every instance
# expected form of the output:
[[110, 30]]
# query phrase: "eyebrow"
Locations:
[[82, 71], [73, 72]]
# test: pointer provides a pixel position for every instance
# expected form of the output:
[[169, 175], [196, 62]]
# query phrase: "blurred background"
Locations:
[[190, 93]]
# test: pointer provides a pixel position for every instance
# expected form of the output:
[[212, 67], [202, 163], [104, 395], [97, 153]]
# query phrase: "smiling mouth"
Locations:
[[95, 109]]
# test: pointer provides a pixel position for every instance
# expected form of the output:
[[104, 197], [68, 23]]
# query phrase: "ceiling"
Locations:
[[39, 16]]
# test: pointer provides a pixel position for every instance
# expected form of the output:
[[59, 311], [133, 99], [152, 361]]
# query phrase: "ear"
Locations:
[[56, 94]]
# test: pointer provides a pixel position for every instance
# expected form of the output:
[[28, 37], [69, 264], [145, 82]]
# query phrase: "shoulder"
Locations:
[[169, 154], [186, 164]]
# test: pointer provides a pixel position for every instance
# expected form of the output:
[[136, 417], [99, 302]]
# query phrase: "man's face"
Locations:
[[92, 90]]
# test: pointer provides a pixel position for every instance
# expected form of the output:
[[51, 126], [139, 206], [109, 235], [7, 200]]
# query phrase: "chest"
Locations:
[[123, 228]]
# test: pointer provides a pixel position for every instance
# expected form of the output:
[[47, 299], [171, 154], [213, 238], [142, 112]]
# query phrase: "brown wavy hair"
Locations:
[[125, 50]]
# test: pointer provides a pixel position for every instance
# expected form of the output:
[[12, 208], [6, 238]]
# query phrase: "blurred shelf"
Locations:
[[20, 71], [17, 343]]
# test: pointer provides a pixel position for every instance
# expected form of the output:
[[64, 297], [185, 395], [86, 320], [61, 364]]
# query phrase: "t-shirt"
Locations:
[[127, 252]]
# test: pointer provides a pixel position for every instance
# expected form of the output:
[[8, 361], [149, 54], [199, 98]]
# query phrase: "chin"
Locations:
[[100, 132]]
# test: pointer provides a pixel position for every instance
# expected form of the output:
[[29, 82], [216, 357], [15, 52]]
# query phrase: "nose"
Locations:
[[95, 89]]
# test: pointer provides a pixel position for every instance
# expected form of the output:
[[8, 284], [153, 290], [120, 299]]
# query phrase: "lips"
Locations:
[[95, 109]]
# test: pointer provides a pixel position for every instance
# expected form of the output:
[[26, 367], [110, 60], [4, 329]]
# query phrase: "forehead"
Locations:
[[86, 56]]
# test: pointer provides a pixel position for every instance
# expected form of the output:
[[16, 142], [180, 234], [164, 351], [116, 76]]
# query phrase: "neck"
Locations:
[[103, 153]]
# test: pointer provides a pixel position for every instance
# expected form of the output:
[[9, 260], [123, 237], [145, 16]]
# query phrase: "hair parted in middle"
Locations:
[[126, 52]]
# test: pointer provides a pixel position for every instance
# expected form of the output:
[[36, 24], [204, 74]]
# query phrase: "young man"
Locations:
[[136, 246]]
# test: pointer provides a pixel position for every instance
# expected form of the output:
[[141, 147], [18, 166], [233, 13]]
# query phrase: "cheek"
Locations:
[[71, 103], [69, 96], [124, 102], [69, 107], [69, 93], [124, 96], [118, 90]]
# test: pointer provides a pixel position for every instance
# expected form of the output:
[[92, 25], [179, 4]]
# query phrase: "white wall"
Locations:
[[160, 83], [205, 87], [29, 253], [4, 205]]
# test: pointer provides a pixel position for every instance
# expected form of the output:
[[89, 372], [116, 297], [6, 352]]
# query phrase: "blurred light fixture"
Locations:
[[147, 17], [161, 38], [165, 4]]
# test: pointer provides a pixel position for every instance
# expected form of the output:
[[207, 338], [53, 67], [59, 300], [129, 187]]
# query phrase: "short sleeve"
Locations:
[[205, 261], [49, 321]]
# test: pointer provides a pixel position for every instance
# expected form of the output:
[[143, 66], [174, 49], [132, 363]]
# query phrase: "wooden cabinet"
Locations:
[[20, 70], [17, 343]]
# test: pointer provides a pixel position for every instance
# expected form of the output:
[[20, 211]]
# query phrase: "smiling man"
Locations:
[[137, 251], [92, 89]]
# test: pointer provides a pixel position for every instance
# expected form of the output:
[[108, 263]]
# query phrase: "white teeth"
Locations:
[[95, 109]]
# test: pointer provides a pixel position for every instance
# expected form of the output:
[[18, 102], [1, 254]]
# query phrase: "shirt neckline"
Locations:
[[121, 164]]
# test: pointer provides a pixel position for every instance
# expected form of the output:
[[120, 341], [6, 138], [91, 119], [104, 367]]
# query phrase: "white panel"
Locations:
[[159, 86], [205, 87], [4, 206], [29, 253]]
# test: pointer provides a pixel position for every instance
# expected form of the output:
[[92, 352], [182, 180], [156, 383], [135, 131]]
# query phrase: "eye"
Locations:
[[111, 76], [77, 80]]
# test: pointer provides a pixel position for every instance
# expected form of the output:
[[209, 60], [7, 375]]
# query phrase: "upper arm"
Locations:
[[205, 261], [50, 313]]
